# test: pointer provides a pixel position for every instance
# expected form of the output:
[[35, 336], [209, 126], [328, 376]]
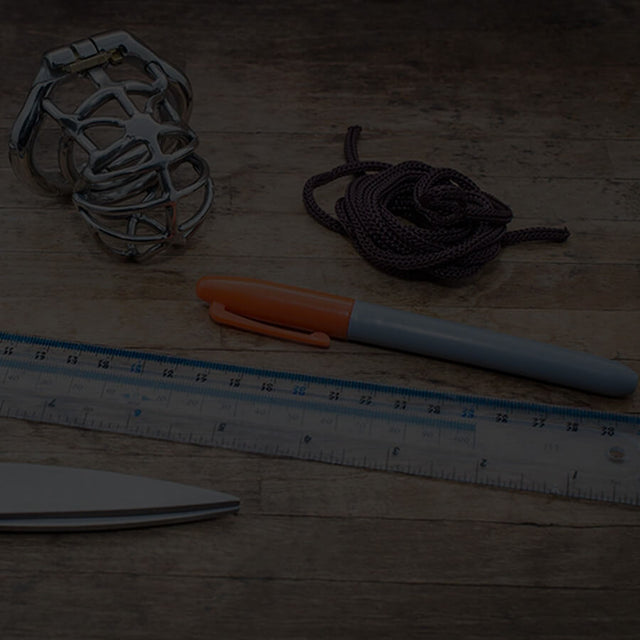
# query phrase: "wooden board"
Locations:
[[538, 103]]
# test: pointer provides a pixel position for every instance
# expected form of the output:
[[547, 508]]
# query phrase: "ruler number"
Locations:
[[572, 426], [608, 431], [168, 373], [8, 350], [502, 417], [334, 395], [201, 377], [234, 382], [40, 355], [538, 422], [366, 400], [103, 363], [267, 386], [400, 404]]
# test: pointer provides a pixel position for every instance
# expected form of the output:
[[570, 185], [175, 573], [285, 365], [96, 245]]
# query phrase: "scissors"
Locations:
[[36, 497]]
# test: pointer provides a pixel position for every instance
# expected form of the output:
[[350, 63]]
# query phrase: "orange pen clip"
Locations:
[[276, 310]]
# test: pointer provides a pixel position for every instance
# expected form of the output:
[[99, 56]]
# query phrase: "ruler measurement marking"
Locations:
[[345, 419], [478, 401], [128, 380]]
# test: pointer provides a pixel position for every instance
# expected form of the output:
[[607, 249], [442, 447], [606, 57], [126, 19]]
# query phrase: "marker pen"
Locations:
[[313, 318]]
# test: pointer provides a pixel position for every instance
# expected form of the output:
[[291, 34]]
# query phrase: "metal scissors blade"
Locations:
[[36, 497]]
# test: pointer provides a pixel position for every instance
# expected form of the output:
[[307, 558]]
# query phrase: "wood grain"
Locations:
[[538, 103]]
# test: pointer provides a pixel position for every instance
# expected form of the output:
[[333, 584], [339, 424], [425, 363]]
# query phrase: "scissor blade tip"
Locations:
[[54, 498]]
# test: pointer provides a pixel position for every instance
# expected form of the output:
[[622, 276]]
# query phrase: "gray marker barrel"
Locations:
[[415, 333]]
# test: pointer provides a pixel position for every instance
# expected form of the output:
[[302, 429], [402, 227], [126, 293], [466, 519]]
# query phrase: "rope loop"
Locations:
[[416, 221]]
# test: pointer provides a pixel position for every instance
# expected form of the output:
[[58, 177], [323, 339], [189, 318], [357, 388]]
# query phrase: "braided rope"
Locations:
[[416, 221]]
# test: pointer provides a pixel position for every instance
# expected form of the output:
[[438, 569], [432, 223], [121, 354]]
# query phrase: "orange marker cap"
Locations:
[[276, 310]]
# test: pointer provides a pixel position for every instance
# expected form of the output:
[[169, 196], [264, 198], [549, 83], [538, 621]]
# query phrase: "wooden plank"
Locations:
[[298, 609], [550, 200], [331, 549], [597, 287], [460, 103]]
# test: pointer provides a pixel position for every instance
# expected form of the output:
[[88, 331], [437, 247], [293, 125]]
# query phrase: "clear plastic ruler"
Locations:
[[489, 441]]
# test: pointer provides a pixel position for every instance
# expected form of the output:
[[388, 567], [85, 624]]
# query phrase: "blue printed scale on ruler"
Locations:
[[516, 445]]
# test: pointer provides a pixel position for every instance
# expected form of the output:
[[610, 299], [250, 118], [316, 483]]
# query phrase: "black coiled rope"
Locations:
[[417, 221]]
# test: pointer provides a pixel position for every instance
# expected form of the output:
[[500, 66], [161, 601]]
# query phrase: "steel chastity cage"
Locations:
[[105, 123]]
